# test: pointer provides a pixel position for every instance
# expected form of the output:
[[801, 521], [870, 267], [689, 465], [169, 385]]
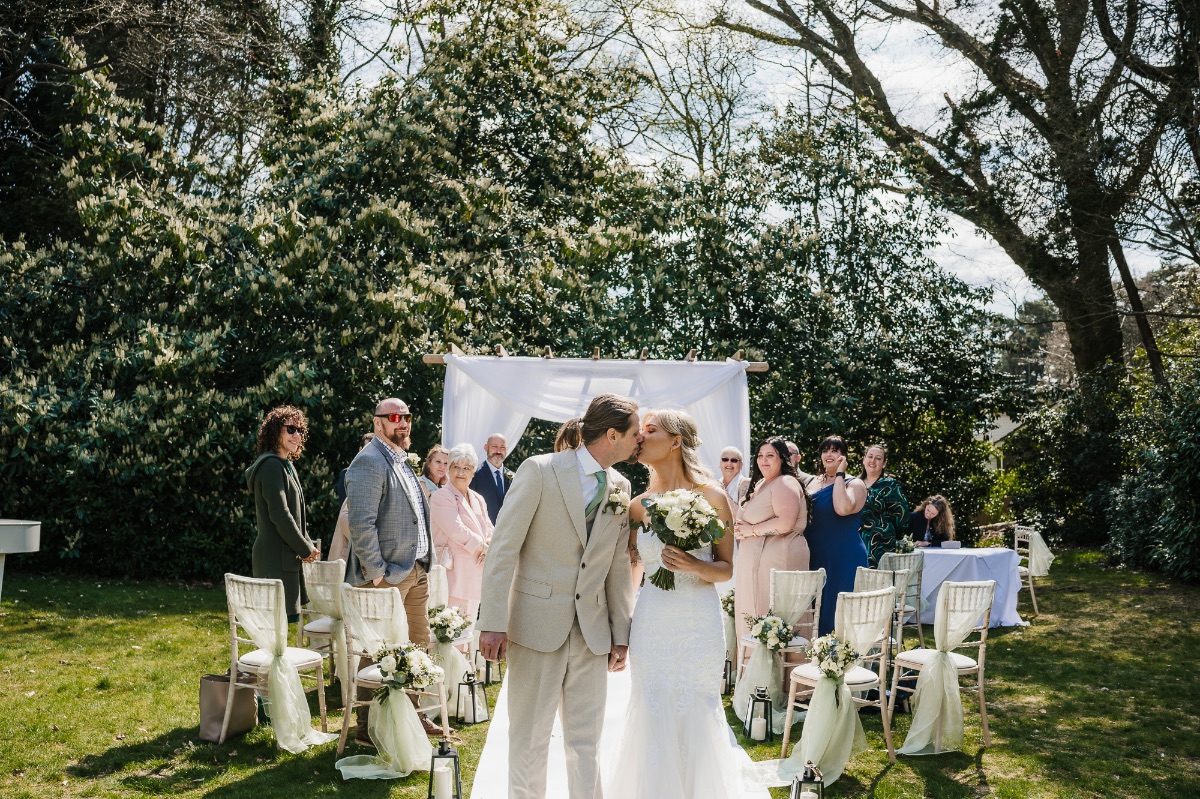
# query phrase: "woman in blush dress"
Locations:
[[833, 539], [461, 525], [769, 531]]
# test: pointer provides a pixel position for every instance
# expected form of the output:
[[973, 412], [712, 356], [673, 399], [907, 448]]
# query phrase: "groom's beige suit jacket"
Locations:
[[543, 570]]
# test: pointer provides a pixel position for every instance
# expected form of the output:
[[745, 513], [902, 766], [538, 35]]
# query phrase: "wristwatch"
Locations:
[[839, 474]]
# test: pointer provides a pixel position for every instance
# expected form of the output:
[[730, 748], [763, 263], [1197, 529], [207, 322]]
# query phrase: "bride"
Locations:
[[676, 742]]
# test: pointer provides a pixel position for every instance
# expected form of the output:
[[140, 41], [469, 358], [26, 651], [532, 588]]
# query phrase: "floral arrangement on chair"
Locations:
[[447, 623], [832, 655], [404, 666], [904, 545], [681, 518], [771, 631], [727, 603]]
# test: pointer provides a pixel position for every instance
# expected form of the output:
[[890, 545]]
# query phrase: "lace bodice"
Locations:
[[651, 548]]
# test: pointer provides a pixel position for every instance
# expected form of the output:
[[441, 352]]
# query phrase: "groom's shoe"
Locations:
[[432, 727]]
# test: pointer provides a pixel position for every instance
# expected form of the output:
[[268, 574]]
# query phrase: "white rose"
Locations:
[[757, 629], [388, 664], [674, 520]]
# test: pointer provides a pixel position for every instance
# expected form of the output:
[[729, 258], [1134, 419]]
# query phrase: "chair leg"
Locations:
[[321, 693], [351, 689], [1032, 595], [895, 689], [228, 704], [885, 713], [987, 734], [787, 719], [445, 715]]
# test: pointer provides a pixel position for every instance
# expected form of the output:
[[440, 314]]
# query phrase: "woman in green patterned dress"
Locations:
[[885, 515]]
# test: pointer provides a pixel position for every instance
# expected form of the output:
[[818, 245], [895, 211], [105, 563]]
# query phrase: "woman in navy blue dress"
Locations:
[[833, 540]]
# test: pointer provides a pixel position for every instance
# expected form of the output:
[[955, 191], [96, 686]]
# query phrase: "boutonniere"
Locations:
[[617, 502], [508, 475], [414, 460]]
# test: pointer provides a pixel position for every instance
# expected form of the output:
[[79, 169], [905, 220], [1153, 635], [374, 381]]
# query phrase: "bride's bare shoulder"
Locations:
[[637, 511]]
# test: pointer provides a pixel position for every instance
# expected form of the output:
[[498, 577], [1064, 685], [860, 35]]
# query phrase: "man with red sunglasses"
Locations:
[[390, 543]]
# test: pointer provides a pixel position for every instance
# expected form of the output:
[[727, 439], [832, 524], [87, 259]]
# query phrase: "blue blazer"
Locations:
[[484, 484]]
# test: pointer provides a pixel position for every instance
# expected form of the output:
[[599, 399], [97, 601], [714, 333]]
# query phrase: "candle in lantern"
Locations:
[[808, 795], [443, 784], [758, 729]]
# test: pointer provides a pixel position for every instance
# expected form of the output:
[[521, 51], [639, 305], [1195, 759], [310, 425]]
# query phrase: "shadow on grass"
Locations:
[[174, 764]]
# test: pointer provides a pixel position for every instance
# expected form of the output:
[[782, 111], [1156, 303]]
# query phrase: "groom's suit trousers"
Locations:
[[572, 680]]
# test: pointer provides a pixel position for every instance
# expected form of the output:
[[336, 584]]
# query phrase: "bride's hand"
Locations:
[[676, 560]]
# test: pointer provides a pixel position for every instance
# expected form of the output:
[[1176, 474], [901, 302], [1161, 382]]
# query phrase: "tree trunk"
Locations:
[[1088, 306]]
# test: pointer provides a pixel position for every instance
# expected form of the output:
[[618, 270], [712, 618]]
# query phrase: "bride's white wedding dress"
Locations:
[[665, 731], [676, 741]]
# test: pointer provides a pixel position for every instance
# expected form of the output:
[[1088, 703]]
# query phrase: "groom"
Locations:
[[558, 594]]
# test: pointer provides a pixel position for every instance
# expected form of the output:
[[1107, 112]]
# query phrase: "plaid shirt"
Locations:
[[409, 478]]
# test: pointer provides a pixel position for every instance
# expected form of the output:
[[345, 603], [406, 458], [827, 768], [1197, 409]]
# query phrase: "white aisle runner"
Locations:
[[491, 777]]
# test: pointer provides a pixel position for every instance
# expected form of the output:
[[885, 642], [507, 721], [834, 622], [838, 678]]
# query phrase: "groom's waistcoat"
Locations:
[[544, 570]]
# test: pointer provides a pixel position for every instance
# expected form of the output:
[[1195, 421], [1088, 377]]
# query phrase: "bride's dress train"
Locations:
[[677, 743], [665, 731]]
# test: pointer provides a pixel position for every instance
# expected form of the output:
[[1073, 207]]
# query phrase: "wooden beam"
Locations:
[[437, 359]]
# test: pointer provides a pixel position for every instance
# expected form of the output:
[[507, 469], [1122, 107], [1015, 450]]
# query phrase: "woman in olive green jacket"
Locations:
[[282, 541]]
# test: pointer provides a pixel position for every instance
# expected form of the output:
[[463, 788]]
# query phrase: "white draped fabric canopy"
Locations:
[[486, 395]]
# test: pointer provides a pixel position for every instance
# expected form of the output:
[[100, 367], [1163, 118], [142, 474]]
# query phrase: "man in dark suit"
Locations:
[[390, 543], [491, 479]]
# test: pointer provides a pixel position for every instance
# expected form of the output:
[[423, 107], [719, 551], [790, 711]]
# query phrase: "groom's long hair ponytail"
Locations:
[[604, 412]]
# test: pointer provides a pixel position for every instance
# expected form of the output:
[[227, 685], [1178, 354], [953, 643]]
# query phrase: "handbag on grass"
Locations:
[[213, 690]]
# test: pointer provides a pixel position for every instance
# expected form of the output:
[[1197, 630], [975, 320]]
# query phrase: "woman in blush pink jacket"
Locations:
[[461, 525]]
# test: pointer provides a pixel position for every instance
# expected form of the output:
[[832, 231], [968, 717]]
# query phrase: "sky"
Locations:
[[915, 71]]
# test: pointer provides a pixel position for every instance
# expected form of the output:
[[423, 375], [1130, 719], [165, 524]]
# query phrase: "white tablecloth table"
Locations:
[[964, 565]]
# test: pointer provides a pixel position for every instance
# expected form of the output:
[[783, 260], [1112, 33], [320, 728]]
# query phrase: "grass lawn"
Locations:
[[1098, 698]]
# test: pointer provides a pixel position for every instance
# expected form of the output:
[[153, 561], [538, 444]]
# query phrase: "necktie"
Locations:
[[499, 483], [601, 483]]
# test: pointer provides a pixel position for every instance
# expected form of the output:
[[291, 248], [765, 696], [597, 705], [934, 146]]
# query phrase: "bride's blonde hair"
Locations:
[[681, 423]]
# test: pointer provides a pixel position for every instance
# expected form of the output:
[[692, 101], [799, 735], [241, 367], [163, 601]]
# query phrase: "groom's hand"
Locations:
[[493, 646], [616, 658]]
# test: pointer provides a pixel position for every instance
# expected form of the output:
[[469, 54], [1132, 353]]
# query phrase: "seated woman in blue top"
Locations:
[[931, 522], [833, 540]]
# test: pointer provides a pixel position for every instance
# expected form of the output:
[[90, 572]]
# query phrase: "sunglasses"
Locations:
[[394, 418], [293, 429], [731, 460]]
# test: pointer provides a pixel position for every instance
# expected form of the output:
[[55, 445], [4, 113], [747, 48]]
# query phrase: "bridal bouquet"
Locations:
[[727, 603], [447, 623], [770, 630], [832, 656], [681, 518], [404, 666]]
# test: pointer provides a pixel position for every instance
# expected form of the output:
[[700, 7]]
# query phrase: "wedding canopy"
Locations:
[[486, 395]]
